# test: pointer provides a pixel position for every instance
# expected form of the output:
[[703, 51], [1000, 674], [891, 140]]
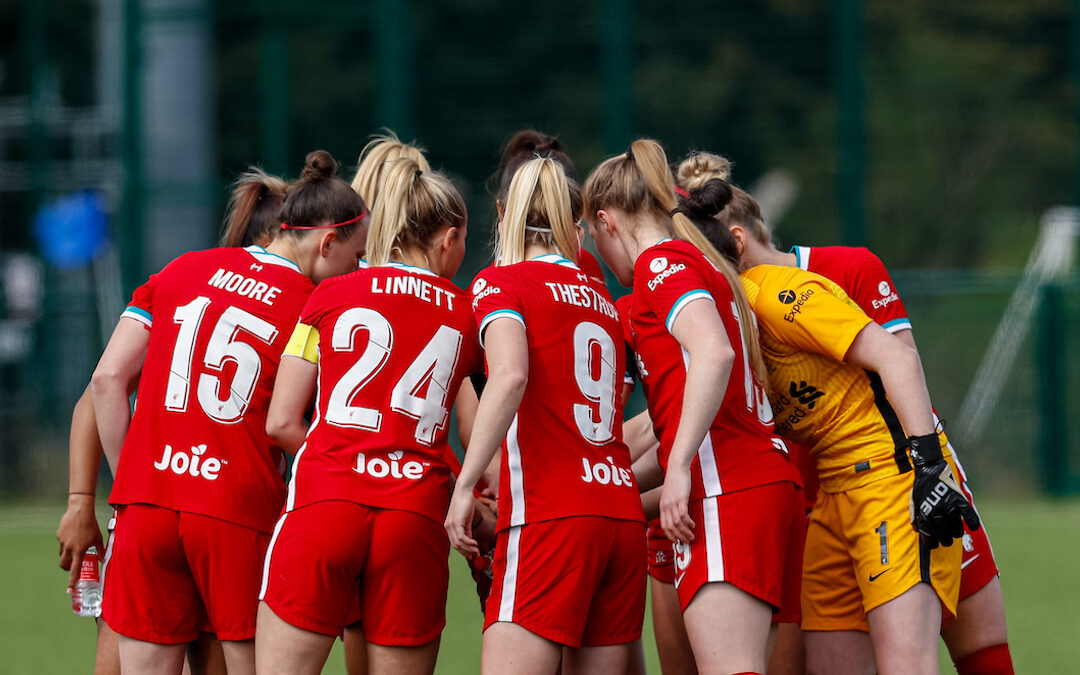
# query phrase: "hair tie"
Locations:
[[530, 228], [673, 211], [417, 174], [630, 153], [350, 221]]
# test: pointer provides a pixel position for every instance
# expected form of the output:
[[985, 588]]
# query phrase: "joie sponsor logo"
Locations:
[[392, 466], [193, 464], [659, 266], [604, 473], [788, 297]]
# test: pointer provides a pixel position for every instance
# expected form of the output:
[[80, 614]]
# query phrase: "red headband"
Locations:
[[286, 226], [682, 192]]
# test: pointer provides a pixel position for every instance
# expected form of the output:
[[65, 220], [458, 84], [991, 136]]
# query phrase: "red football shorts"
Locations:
[[333, 563], [173, 574], [977, 567], [661, 554], [752, 539], [577, 581]]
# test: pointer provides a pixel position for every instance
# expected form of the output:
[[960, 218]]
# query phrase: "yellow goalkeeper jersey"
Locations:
[[837, 411]]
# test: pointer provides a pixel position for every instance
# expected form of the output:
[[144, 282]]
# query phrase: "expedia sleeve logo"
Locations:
[[479, 285], [883, 288], [887, 296], [481, 290], [657, 265], [788, 297]]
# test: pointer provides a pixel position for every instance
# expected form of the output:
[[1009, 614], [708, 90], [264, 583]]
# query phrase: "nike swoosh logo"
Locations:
[[873, 577], [969, 560], [678, 579]]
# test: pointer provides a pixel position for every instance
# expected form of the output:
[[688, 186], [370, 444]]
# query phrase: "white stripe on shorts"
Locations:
[[714, 551], [509, 585], [517, 478], [269, 550]]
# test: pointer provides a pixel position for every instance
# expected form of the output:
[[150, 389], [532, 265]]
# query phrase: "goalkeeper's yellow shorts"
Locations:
[[862, 551]]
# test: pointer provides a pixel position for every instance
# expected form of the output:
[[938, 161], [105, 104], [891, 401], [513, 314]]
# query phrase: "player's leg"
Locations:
[[510, 648], [728, 629], [107, 658], [418, 660], [283, 648], [606, 660], [636, 664], [355, 650], [838, 652], [672, 643], [978, 640], [788, 653], [205, 656], [149, 658], [903, 633]]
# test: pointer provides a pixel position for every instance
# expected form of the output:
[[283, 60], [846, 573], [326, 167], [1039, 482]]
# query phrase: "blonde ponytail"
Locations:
[[414, 204], [640, 181], [538, 210], [376, 158]]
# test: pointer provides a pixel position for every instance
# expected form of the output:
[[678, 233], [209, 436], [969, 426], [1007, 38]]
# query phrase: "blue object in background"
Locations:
[[72, 230]]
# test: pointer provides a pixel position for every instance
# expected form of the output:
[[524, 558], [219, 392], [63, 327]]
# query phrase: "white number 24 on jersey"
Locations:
[[433, 366]]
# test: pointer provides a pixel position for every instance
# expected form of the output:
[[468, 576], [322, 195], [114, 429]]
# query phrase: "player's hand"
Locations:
[[78, 531], [938, 507], [675, 505], [459, 521]]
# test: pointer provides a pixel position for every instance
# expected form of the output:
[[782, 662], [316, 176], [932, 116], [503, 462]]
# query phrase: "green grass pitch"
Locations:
[[1037, 545]]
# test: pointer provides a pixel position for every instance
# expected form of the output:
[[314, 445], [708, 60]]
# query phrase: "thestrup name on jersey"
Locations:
[[674, 268], [796, 309], [884, 302], [415, 286], [604, 473], [392, 466], [481, 290], [247, 287], [194, 464], [581, 295]]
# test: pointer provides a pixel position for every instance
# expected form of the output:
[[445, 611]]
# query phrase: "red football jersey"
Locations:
[[218, 321], [395, 343], [740, 450], [563, 454], [863, 276]]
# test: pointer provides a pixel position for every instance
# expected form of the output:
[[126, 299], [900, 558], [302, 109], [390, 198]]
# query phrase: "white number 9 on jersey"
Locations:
[[594, 351]]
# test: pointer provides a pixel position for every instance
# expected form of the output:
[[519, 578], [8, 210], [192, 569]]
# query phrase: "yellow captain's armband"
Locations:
[[304, 343]]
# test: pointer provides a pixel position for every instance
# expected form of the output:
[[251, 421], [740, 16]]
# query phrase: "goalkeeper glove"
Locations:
[[937, 504]]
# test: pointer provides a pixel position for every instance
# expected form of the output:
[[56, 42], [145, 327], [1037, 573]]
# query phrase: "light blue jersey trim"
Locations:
[[262, 255], [139, 314], [802, 257], [499, 314], [897, 325], [555, 259], [683, 301]]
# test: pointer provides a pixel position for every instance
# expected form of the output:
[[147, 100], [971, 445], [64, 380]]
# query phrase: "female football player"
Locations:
[[569, 559], [252, 217], [199, 483], [854, 395], [360, 547], [977, 640], [375, 160], [727, 481]]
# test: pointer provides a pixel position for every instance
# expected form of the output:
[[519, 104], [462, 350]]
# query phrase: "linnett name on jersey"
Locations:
[[245, 286], [180, 462], [581, 295], [415, 286]]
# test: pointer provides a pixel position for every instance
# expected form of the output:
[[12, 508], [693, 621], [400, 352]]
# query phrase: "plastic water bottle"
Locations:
[[86, 600]]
